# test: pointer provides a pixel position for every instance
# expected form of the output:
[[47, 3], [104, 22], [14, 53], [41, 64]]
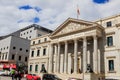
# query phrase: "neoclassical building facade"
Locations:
[[78, 48]]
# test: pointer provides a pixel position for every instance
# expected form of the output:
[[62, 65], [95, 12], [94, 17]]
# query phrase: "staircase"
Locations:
[[66, 76]]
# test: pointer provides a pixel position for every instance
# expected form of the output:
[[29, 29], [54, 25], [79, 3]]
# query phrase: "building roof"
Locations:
[[30, 26], [37, 27]]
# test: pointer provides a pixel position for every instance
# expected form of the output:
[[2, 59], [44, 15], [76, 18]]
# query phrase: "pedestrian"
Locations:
[[19, 75], [16, 75], [13, 74]]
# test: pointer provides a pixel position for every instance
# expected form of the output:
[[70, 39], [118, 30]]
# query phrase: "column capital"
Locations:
[[51, 43], [65, 41], [75, 40], [95, 36], [58, 43], [84, 37]]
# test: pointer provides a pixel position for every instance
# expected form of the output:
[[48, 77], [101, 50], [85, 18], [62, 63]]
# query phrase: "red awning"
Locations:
[[6, 66], [13, 66], [9, 66]]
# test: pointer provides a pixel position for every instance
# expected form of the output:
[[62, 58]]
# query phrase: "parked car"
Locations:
[[32, 77], [73, 79], [2, 72], [50, 77]]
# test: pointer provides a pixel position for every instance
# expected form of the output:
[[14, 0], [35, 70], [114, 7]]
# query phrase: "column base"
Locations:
[[90, 76], [75, 73]]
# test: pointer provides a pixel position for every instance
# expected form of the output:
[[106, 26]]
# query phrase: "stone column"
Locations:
[[84, 54], [69, 63], [75, 55], [99, 62], [95, 55], [61, 63], [66, 58], [88, 57], [55, 58], [58, 59], [51, 58]]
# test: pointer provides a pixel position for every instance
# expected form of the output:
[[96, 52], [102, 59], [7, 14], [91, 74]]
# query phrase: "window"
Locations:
[[30, 30], [21, 34], [19, 58], [24, 33], [25, 59], [20, 49], [6, 56], [44, 52], [39, 35], [29, 36], [27, 32], [39, 41], [7, 47], [42, 66], [30, 67], [45, 39], [33, 42], [109, 24], [4, 48], [111, 65], [36, 67], [110, 41], [38, 52], [14, 47], [26, 50], [32, 54], [3, 57], [13, 56]]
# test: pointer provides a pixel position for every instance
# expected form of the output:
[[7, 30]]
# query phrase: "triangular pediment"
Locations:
[[71, 25]]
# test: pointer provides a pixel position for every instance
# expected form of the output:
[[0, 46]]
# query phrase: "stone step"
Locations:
[[66, 76]]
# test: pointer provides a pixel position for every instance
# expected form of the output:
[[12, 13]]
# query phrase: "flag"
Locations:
[[78, 12]]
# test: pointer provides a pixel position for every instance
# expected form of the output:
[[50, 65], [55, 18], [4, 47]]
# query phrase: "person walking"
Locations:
[[16, 75], [19, 75], [13, 74]]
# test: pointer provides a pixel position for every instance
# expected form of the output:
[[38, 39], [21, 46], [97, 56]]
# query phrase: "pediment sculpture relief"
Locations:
[[71, 27]]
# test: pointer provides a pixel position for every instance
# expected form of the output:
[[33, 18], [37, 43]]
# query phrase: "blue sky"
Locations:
[[17, 14], [100, 1], [28, 7], [35, 19]]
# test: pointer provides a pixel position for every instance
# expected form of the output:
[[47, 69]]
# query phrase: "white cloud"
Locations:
[[53, 13]]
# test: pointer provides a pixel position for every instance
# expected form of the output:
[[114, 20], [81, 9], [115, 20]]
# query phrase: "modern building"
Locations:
[[33, 31], [78, 48], [15, 47]]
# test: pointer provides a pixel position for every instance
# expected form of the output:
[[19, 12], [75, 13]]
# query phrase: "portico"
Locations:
[[71, 53]]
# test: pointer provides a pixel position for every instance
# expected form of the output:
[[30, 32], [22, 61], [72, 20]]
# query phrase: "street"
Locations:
[[8, 78]]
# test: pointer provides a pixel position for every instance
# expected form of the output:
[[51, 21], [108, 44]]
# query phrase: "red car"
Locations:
[[32, 77]]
